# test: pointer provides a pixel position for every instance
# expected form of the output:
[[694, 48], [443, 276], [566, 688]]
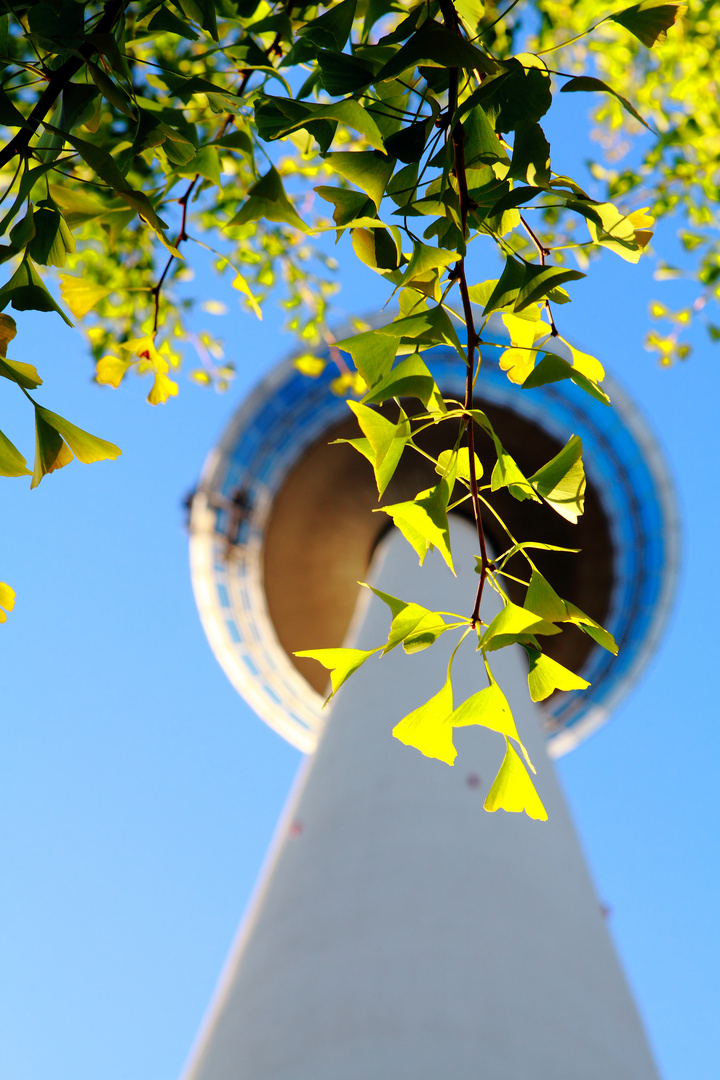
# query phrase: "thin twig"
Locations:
[[181, 237]]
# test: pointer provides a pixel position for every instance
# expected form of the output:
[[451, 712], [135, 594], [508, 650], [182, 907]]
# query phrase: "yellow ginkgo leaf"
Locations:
[[7, 600], [242, 286], [489, 708], [110, 370], [310, 365], [525, 334], [341, 663], [513, 790], [428, 728], [163, 388], [80, 295]]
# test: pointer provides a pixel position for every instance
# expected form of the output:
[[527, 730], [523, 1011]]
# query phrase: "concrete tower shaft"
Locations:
[[399, 932]]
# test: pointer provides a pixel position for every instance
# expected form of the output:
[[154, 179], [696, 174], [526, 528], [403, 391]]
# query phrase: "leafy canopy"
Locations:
[[135, 132]]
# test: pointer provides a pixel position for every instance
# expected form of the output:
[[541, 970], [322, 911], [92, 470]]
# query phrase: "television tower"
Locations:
[[399, 932]]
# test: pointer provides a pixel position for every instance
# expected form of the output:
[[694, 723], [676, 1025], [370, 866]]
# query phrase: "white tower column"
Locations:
[[399, 931]]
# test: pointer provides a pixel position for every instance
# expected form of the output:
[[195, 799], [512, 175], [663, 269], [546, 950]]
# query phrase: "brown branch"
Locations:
[[543, 252], [181, 237], [56, 84], [457, 136]]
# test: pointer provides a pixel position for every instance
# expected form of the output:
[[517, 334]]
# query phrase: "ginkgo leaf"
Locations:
[[163, 388], [267, 199], [489, 708], [519, 360], [56, 440], [427, 728], [310, 365], [649, 21], [387, 441], [12, 463], [456, 463], [22, 374], [7, 600], [8, 330], [554, 368], [341, 663], [242, 286], [81, 295], [414, 626], [410, 378], [594, 630], [513, 790], [372, 354], [512, 624], [542, 599], [51, 452], [545, 675], [425, 258], [423, 521], [507, 474], [111, 370], [562, 483], [368, 170]]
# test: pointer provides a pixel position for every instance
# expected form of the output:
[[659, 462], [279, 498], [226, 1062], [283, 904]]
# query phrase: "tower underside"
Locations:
[[399, 931]]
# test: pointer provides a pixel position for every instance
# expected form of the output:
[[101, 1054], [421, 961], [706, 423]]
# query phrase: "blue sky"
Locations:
[[139, 792]]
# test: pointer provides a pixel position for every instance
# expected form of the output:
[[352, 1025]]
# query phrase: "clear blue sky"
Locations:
[[139, 792]]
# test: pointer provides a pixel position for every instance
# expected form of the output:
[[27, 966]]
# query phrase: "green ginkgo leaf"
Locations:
[[368, 170], [513, 790], [411, 378], [57, 440], [423, 521], [267, 199], [373, 354], [427, 728], [386, 442], [489, 708], [562, 483], [649, 21], [546, 675], [513, 623], [12, 463]]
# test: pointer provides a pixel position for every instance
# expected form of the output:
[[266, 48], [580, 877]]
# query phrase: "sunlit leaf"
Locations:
[[427, 728], [242, 286], [513, 623], [423, 521], [410, 378], [554, 368], [12, 463], [489, 708], [341, 663], [387, 441], [513, 790], [368, 170], [23, 374], [81, 295], [561, 482], [546, 675], [7, 600]]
